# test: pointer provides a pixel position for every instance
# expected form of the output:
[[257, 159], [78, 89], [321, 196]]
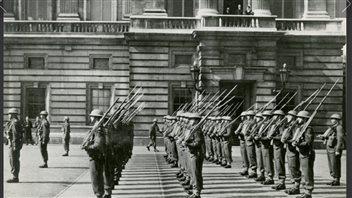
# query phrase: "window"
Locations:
[[180, 96], [292, 58], [102, 10], [35, 61], [283, 100], [236, 59], [181, 8], [183, 60], [34, 102], [99, 61], [98, 97], [38, 9]]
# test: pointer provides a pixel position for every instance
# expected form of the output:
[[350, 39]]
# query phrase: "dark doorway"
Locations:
[[35, 102], [244, 93], [232, 4]]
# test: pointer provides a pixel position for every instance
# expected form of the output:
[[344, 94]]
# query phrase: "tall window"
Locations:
[[34, 102], [180, 96], [38, 9], [181, 8], [98, 97], [101, 10]]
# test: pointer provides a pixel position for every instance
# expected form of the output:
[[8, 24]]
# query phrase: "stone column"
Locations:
[[261, 7], [207, 7], [315, 9]]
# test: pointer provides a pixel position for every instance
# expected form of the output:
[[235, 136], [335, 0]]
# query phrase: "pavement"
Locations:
[[146, 175]]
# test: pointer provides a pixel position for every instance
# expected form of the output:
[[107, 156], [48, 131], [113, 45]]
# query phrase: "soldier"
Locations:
[[14, 134], [36, 126], [195, 147], [226, 136], [95, 150], [212, 132], [258, 150], [108, 161], [275, 134], [267, 149], [292, 153], [44, 132], [28, 131], [172, 144], [244, 156], [152, 135], [66, 130], [304, 143], [334, 138], [217, 138], [249, 142]]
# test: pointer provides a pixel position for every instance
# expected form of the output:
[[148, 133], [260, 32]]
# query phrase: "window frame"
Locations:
[[25, 86], [172, 87], [174, 53], [90, 87], [94, 56], [27, 56], [298, 56]]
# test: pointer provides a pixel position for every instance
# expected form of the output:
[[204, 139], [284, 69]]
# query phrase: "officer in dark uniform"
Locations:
[[304, 143], [95, 150], [152, 134], [14, 134], [28, 131], [334, 138], [275, 134], [292, 153], [44, 133], [66, 130], [195, 146]]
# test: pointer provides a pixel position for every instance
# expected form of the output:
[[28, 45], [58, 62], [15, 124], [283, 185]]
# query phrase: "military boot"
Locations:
[[228, 166], [45, 165], [293, 191], [261, 178], [280, 186], [13, 180], [252, 175], [244, 173], [305, 195], [268, 182]]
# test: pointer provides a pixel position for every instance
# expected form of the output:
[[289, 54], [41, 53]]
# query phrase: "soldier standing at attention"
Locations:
[[292, 153], [250, 147], [44, 132], [245, 163], [334, 138], [226, 136], [195, 146], [95, 150], [152, 135], [66, 130], [258, 151], [306, 152], [14, 135], [28, 131], [275, 134]]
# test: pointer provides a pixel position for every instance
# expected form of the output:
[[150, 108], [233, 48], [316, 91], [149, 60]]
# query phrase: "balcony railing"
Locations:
[[238, 21], [329, 25], [152, 22], [65, 26]]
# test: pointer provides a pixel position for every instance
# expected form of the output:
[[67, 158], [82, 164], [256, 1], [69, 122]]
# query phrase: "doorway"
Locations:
[[232, 4]]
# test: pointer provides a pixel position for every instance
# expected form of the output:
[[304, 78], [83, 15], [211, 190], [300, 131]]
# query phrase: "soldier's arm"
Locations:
[[46, 131], [308, 140], [99, 141], [239, 128], [197, 139], [227, 131], [16, 134], [340, 135]]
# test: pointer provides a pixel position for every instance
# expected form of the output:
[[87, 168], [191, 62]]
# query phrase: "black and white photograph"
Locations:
[[174, 98]]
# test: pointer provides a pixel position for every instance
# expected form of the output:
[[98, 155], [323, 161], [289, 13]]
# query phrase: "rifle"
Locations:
[[278, 104], [268, 103], [306, 100], [138, 109], [232, 113], [302, 131], [212, 99], [310, 102], [123, 113], [96, 126]]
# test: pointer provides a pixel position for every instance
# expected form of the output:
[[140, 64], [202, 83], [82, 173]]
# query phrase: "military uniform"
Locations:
[[14, 132], [28, 132], [44, 133], [66, 130], [226, 136], [258, 150], [249, 142], [108, 162], [152, 134], [244, 156]]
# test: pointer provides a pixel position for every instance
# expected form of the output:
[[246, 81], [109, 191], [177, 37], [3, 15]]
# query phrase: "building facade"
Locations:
[[70, 56]]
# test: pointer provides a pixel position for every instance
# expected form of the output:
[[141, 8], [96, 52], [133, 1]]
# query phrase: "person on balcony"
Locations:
[[238, 20], [248, 12]]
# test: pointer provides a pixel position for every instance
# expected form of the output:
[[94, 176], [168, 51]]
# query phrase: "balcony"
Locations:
[[292, 25], [66, 27]]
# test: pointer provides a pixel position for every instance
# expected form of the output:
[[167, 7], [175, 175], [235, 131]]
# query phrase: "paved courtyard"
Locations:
[[146, 175]]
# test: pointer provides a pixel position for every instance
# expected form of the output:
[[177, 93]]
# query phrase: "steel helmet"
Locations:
[[172, 118], [67, 118], [259, 115], [195, 116], [279, 112], [227, 118], [96, 113], [44, 113], [303, 114], [267, 113], [155, 120], [13, 111], [250, 113], [292, 112], [244, 113], [336, 116]]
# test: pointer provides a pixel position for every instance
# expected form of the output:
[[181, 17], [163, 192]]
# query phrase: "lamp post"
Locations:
[[284, 74], [198, 84]]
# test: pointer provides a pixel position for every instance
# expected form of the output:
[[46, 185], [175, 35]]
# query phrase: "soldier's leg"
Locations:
[[14, 157], [218, 149], [245, 163], [268, 164], [279, 153], [96, 168], [227, 152], [223, 153], [213, 140], [108, 172], [294, 166], [252, 159], [307, 163], [210, 151], [337, 169], [44, 152], [260, 164]]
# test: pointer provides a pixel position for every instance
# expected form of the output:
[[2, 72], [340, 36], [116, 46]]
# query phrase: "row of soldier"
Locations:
[[266, 138]]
